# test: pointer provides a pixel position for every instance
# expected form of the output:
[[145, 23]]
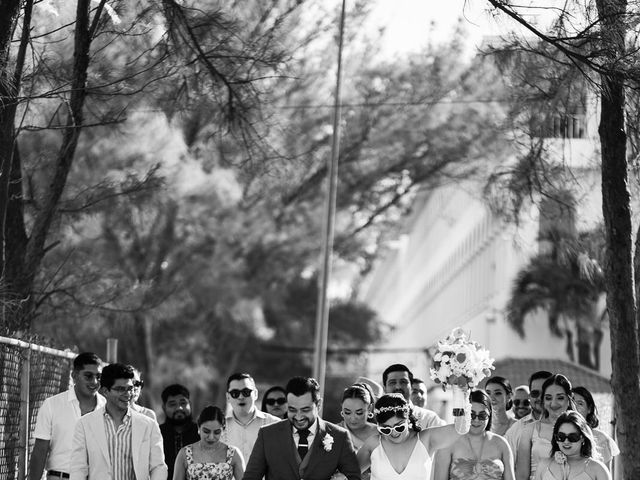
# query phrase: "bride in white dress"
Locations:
[[401, 450]]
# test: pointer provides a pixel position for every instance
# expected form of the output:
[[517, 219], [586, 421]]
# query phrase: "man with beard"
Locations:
[[305, 446], [178, 429], [397, 378]]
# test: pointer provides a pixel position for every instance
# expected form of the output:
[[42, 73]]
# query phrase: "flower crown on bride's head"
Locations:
[[391, 408]]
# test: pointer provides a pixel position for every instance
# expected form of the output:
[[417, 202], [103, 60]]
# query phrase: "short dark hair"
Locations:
[[580, 423], [480, 396], [417, 380], [113, 372], [239, 376], [396, 367], [592, 416], [86, 358], [505, 384], [173, 390], [540, 374], [298, 386], [211, 413]]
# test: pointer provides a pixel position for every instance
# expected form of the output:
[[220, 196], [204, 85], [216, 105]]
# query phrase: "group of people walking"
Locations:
[[546, 430]]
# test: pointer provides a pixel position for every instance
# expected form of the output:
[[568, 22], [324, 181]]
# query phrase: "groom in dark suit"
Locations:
[[304, 446]]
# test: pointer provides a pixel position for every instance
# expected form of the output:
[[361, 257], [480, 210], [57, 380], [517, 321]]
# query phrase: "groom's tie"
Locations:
[[303, 443]]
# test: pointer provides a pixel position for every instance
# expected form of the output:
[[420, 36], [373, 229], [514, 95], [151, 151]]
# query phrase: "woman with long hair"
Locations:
[[275, 402], [357, 409], [480, 453], [535, 440], [209, 458], [572, 449], [402, 450], [606, 447], [501, 393]]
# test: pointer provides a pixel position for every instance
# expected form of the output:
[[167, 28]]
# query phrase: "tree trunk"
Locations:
[[618, 259]]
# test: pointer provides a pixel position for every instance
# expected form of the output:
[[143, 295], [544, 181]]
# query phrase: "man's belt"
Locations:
[[55, 473]]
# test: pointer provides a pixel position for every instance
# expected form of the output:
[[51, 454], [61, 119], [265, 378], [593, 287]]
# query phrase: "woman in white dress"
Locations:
[[535, 440], [401, 450]]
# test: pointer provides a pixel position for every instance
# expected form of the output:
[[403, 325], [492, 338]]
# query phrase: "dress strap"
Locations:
[[229, 454], [189, 454]]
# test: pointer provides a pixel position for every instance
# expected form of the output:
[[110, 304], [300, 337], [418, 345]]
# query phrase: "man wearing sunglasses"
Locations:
[[116, 441], [304, 445], [58, 415], [245, 418], [535, 388], [521, 402]]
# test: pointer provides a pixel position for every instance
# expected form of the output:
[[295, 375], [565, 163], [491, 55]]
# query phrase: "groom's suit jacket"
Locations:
[[275, 456], [90, 453]]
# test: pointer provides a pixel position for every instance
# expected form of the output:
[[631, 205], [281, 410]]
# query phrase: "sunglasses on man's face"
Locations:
[[572, 437], [272, 401], [482, 416], [138, 383], [246, 393], [524, 403], [534, 393], [387, 430]]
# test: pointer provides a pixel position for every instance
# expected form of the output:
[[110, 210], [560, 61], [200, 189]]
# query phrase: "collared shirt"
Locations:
[[313, 429], [244, 435], [514, 432], [119, 442], [426, 418], [56, 423]]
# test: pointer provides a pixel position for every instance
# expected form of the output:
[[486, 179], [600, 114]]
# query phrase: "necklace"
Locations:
[[477, 468]]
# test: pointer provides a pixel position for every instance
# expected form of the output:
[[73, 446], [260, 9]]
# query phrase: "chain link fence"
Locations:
[[29, 373]]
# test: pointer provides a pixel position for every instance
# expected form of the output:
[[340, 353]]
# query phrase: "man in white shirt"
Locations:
[[245, 419], [397, 378], [58, 416], [535, 390]]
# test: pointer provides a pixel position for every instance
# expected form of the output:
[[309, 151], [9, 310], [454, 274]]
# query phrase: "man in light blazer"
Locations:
[[116, 441], [304, 446]]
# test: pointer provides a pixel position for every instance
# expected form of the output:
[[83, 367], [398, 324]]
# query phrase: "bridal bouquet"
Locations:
[[460, 362], [463, 364]]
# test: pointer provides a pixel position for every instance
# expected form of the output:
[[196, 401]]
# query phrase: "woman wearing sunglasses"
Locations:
[[401, 450], [357, 409], [479, 454], [275, 402], [606, 447], [535, 439], [572, 451]]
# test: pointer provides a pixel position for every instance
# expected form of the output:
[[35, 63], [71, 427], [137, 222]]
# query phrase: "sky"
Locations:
[[407, 22]]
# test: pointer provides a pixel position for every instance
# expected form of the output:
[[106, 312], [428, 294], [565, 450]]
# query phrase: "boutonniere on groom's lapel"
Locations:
[[327, 442]]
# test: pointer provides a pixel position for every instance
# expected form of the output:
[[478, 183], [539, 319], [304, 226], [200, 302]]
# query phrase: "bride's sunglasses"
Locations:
[[387, 430]]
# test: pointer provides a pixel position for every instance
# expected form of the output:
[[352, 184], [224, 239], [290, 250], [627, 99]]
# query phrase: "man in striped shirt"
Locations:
[[116, 442]]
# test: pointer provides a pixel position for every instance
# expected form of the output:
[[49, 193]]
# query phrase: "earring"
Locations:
[[370, 415]]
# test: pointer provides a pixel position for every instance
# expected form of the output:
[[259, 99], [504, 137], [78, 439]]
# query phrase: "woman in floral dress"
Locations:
[[209, 459]]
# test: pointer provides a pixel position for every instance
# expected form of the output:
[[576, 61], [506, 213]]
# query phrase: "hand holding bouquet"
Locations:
[[463, 364]]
